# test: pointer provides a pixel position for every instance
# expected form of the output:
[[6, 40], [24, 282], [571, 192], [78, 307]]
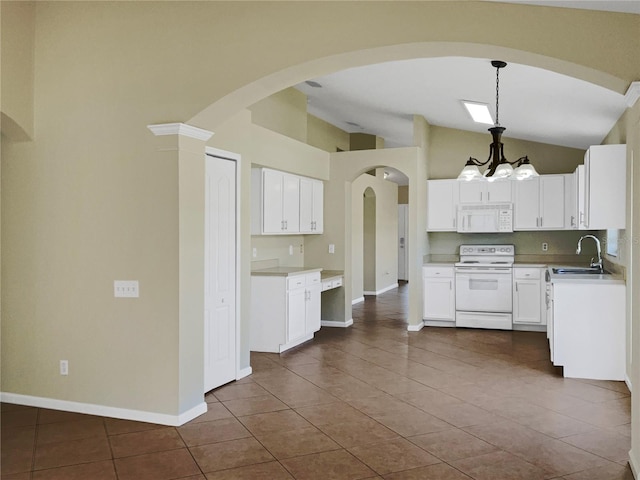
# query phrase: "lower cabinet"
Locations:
[[285, 310], [529, 301], [439, 307]]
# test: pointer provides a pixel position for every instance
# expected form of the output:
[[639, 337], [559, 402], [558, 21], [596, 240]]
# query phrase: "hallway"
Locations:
[[371, 401]]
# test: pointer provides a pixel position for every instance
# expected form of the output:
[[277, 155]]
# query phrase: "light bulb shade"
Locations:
[[469, 172], [504, 170], [525, 171]]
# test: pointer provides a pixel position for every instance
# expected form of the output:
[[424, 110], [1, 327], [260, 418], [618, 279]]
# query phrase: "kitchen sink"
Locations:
[[578, 271]]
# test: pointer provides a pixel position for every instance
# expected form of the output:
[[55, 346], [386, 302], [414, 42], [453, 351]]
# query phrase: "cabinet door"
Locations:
[[318, 206], [527, 204], [527, 302], [552, 202], [606, 172], [272, 220], [581, 196], [471, 192], [441, 206], [439, 299], [291, 203], [306, 205], [312, 313], [296, 313], [570, 202], [498, 191]]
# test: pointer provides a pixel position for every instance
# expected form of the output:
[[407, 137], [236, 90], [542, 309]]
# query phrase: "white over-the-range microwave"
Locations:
[[485, 218]]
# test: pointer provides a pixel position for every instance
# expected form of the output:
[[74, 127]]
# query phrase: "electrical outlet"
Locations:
[[545, 246], [126, 288], [290, 249], [332, 248], [64, 367], [301, 248], [255, 252]]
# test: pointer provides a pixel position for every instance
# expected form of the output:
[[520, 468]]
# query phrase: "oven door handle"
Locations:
[[481, 271]]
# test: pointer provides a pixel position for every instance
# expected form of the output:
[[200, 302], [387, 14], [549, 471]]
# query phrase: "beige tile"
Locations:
[[253, 405], [393, 456], [609, 445], [231, 454], [157, 466], [116, 426], [273, 422], [18, 437], [18, 417], [64, 431], [61, 454], [293, 443], [555, 424], [334, 465], [235, 391], [609, 472], [331, 413], [54, 416], [499, 465], [104, 470], [212, 432], [359, 432], [148, 441], [414, 424], [215, 411], [268, 470], [440, 471], [454, 444], [16, 460]]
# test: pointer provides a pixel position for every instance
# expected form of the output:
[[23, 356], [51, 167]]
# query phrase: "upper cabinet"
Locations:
[[485, 192], [311, 205], [442, 203], [539, 203], [602, 189], [283, 203]]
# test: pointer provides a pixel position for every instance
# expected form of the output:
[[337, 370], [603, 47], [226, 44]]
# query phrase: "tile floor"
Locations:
[[371, 401]]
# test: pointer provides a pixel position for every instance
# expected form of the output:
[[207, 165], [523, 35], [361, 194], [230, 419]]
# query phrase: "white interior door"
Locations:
[[403, 246], [220, 272]]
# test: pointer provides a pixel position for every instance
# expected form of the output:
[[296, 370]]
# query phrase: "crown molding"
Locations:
[[180, 129], [632, 95]]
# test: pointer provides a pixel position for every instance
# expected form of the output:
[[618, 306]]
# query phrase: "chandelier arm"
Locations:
[[476, 162]]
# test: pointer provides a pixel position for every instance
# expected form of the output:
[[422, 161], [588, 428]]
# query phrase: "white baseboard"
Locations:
[[627, 380], [357, 300], [415, 328], [104, 411], [380, 292], [244, 372], [332, 323], [634, 463]]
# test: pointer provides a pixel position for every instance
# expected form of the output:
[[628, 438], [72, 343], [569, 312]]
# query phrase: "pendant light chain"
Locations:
[[497, 96]]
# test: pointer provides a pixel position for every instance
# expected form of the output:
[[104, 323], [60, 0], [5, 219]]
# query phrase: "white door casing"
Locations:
[[220, 353], [403, 242]]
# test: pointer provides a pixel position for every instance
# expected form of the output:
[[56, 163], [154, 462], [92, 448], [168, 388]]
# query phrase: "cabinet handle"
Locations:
[[286, 224], [516, 286], [450, 285], [481, 196], [581, 218], [488, 196], [573, 221]]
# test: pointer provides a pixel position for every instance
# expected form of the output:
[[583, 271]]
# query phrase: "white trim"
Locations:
[[244, 372], [415, 328], [379, 292], [357, 300], [295, 343], [180, 129], [632, 95], [332, 323], [635, 466], [105, 411], [627, 380]]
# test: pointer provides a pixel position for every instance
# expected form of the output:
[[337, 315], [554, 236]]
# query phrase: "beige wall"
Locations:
[[284, 112], [380, 271], [451, 148], [403, 194], [18, 37], [91, 199], [325, 136]]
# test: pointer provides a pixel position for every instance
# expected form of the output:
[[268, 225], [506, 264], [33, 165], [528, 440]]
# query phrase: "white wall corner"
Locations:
[[180, 129], [632, 95], [415, 328], [332, 323], [244, 372]]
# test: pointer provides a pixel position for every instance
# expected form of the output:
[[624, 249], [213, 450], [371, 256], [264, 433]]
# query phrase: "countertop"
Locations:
[[285, 271], [587, 278], [331, 274]]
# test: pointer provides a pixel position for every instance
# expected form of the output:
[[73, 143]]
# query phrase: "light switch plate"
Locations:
[[332, 248], [126, 289]]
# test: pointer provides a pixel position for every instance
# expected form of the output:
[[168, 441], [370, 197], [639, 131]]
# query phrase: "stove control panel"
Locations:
[[508, 250]]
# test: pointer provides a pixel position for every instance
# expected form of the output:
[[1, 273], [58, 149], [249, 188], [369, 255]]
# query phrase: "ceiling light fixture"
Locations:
[[498, 166]]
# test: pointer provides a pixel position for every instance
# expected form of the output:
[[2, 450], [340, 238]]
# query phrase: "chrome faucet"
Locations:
[[593, 264]]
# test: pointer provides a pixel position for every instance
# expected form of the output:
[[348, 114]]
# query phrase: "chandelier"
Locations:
[[498, 166]]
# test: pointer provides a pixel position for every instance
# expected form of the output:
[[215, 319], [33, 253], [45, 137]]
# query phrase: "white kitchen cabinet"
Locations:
[[528, 297], [571, 214], [498, 191], [539, 203], [275, 203], [439, 301], [285, 310], [604, 194], [442, 204], [311, 205], [589, 329]]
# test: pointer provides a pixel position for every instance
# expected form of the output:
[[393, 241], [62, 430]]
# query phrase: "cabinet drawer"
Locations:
[[336, 283], [297, 281], [326, 286], [526, 273], [437, 271], [312, 278]]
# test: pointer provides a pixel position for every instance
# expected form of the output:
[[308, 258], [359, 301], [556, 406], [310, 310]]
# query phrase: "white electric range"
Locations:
[[484, 295]]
